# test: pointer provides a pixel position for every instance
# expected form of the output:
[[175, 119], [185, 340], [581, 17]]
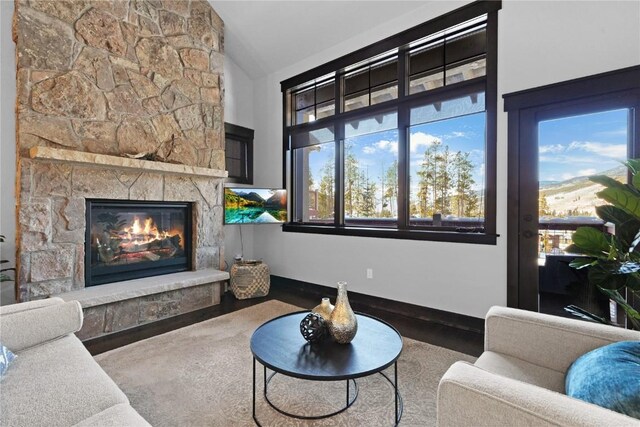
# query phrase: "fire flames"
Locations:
[[139, 240], [137, 237]]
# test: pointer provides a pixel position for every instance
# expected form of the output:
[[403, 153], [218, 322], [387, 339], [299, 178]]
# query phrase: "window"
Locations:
[[238, 153], [398, 139]]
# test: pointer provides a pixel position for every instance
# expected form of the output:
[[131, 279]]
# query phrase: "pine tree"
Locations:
[[351, 182], [326, 194], [443, 182], [543, 205], [368, 197], [390, 189], [427, 190], [465, 201], [312, 192]]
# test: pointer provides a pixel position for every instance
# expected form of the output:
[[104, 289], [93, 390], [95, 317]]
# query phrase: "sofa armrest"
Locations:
[[468, 395], [23, 329], [30, 305], [550, 341]]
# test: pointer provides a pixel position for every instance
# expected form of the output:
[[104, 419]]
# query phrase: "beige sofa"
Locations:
[[519, 379], [54, 381]]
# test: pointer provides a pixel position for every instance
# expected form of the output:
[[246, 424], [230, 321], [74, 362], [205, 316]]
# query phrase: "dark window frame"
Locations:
[[344, 65], [245, 137]]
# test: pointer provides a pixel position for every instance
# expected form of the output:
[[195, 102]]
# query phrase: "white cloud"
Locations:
[[424, 139], [391, 146], [613, 151], [587, 172], [568, 175], [368, 149], [571, 159], [554, 148], [456, 134]]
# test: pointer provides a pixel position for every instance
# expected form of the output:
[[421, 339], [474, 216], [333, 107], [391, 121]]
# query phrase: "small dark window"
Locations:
[[239, 153]]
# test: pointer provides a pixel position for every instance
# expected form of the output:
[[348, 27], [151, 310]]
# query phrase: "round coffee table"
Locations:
[[279, 346]]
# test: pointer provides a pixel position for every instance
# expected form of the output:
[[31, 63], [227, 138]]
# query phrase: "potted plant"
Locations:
[[613, 260], [3, 276]]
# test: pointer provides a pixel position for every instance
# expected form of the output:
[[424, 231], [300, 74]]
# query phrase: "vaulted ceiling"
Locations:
[[266, 36]]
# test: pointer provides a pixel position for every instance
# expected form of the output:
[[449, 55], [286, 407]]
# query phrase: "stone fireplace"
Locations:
[[118, 100]]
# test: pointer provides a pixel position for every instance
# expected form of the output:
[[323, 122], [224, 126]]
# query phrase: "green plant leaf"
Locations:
[[632, 281], [614, 215], [573, 249], [622, 198], [591, 241], [5, 278], [605, 274], [634, 315], [579, 263], [585, 315], [608, 182], [626, 226], [635, 180], [633, 165]]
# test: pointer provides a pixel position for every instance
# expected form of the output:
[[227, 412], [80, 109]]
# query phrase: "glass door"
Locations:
[[570, 150], [558, 136]]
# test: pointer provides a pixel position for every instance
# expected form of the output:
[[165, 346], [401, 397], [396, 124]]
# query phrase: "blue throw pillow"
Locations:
[[608, 376], [6, 357]]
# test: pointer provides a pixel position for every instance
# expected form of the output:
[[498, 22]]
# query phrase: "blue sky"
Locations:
[[568, 147], [582, 145], [377, 151]]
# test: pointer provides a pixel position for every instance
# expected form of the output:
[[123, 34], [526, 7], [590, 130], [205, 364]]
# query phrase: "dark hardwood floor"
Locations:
[[465, 341]]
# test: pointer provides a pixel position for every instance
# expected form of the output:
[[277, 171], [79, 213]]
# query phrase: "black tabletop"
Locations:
[[279, 345]]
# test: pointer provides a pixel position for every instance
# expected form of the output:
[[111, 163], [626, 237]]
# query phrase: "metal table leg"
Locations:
[[255, 419], [395, 382]]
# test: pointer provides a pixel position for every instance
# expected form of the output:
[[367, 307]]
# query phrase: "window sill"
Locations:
[[436, 236]]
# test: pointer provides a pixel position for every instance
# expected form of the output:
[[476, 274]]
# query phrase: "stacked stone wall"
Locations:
[[113, 77], [121, 77]]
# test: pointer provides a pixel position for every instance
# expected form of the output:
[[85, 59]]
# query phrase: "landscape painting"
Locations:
[[254, 205]]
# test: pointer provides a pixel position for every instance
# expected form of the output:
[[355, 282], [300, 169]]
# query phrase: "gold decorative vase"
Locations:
[[324, 309], [343, 324]]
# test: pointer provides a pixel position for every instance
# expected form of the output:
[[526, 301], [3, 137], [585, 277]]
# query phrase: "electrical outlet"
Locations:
[[369, 273]]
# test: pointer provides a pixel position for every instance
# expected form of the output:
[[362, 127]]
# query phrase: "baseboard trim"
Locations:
[[360, 302]]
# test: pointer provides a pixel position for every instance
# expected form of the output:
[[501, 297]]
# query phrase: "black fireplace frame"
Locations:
[[102, 275]]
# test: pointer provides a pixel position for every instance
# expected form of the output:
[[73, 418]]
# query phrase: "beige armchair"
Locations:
[[519, 379]]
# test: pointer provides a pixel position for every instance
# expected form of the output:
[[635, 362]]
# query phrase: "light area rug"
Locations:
[[201, 375]]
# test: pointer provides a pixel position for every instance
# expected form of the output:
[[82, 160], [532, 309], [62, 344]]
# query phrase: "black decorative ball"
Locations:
[[313, 327]]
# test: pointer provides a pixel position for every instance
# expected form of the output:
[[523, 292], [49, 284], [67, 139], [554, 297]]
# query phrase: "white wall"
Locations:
[[539, 43], [238, 110], [7, 134], [238, 100]]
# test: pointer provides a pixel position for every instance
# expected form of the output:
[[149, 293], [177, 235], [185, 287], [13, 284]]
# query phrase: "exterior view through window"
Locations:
[[570, 150], [402, 143]]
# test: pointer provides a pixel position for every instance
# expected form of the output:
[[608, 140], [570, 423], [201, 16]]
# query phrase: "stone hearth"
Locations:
[[119, 306]]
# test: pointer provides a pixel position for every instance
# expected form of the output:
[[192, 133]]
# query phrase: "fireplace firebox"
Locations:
[[127, 240]]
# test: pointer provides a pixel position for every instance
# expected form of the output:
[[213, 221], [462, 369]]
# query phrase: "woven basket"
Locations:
[[250, 279]]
